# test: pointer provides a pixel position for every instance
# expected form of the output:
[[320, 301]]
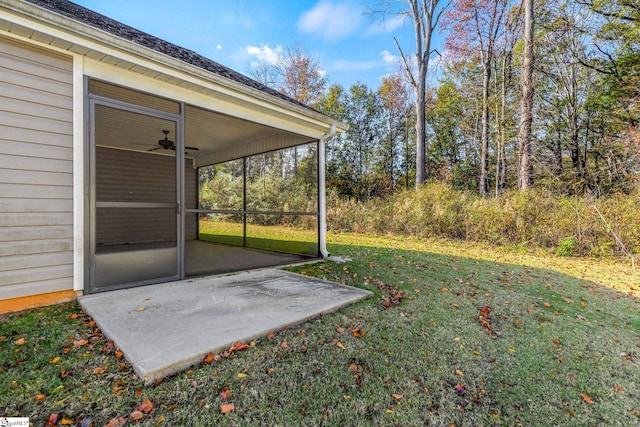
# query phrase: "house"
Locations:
[[105, 135]]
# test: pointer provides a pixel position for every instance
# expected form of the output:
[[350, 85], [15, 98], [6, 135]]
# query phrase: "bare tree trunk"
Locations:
[[421, 134], [557, 154], [484, 138], [525, 170], [425, 18], [502, 163], [500, 117], [406, 150]]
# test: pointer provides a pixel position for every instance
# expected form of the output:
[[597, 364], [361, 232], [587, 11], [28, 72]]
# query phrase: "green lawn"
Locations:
[[560, 346], [289, 239]]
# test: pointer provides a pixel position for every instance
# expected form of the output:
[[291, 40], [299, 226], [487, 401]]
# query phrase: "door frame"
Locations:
[[90, 172]]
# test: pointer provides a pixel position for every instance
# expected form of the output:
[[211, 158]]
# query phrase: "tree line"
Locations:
[[529, 93]]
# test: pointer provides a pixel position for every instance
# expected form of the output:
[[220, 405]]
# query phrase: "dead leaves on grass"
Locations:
[[391, 296], [227, 354], [226, 407], [483, 318]]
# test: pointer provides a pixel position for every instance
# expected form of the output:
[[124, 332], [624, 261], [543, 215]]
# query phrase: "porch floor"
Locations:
[[165, 328], [206, 258]]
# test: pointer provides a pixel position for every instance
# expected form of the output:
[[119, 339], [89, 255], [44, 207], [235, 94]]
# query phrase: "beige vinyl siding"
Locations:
[[36, 165]]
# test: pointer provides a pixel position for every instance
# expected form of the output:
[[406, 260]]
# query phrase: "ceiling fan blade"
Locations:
[[154, 149], [192, 148]]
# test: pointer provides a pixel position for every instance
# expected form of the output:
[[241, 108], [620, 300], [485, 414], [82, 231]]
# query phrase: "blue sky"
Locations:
[[350, 46]]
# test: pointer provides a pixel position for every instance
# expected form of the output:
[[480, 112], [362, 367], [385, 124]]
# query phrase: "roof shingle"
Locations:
[[116, 28]]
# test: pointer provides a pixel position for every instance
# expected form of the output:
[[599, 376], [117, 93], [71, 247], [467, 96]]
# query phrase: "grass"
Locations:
[[290, 239], [564, 350]]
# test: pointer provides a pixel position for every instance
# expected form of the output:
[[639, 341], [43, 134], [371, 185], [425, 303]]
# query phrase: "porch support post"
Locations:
[[244, 201], [322, 190], [182, 205]]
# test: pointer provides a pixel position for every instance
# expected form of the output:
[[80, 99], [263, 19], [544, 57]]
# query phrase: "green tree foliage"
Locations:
[[586, 115], [354, 156], [281, 181]]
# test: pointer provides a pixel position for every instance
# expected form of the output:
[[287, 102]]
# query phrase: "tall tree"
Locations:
[[395, 96], [444, 118], [425, 15], [296, 73], [525, 169], [476, 26]]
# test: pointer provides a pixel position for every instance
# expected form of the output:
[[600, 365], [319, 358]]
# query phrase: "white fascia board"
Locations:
[[40, 20]]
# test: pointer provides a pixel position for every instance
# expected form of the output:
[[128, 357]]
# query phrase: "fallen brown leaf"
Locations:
[[52, 420], [20, 341], [80, 343], [225, 408], [238, 346], [100, 370], [145, 406], [115, 422], [397, 396], [359, 333], [586, 398], [40, 397], [225, 394], [136, 415], [208, 358]]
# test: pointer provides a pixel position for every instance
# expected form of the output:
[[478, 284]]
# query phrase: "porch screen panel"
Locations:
[[129, 176], [36, 170], [221, 191], [136, 199], [282, 200]]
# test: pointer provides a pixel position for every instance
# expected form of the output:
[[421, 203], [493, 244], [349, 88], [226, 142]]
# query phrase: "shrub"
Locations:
[[567, 246], [566, 225]]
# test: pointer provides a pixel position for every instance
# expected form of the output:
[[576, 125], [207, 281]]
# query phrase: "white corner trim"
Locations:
[[78, 174]]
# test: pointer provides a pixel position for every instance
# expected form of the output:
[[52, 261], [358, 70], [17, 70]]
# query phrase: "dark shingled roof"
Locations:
[[104, 23]]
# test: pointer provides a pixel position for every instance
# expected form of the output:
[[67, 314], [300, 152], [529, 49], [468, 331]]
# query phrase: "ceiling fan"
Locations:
[[167, 144]]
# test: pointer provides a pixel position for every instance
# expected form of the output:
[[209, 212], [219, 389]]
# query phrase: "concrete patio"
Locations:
[[163, 329]]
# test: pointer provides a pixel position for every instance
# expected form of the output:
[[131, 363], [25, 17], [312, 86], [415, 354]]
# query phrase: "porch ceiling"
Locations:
[[218, 137]]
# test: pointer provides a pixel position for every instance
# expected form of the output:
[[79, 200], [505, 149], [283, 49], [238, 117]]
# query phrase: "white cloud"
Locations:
[[331, 21], [218, 46], [265, 53], [388, 57], [386, 26]]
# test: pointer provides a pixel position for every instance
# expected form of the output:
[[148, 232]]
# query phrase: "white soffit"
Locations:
[[104, 51]]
